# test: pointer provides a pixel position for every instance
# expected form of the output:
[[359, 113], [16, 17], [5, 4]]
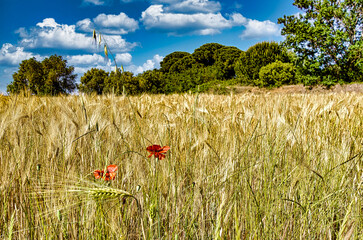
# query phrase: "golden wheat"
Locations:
[[254, 166]]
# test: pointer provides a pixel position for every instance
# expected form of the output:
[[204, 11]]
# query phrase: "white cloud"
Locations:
[[109, 24], [190, 6], [85, 25], [49, 34], [154, 17], [85, 62], [120, 24], [148, 65], [258, 29], [237, 19], [48, 22], [95, 2], [157, 18], [123, 58], [12, 55], [86, 59]]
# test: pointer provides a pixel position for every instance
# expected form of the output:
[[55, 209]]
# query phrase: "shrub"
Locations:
[[258, 56], [276, 74]]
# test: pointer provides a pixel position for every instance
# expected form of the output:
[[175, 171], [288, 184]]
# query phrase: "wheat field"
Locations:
[[244, 166]]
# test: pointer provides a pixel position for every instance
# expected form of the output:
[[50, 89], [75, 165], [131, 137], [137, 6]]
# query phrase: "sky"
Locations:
[[138, 33]]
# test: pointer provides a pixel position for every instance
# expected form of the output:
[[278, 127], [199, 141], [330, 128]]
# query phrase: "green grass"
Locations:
[[267, 166]]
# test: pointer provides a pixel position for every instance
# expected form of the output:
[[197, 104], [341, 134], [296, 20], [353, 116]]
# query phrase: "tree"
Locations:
[[258, 56], [170, 59], [52, 76], [29, 77], [184, 64], [206, 53], [120, 82], [93, 81], [225, 61], [152, 81], [327, 38]]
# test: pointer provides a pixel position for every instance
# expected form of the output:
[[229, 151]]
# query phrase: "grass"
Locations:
[[267, 166]]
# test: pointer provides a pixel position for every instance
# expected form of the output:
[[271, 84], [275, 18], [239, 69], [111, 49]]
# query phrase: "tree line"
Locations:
[[322, 46]]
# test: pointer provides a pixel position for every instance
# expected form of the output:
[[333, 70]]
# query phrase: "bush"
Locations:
[[258, 56], [276, 74]]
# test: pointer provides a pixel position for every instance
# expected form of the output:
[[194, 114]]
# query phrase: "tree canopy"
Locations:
[[170, 59], [93, 81], [52, 76], [327, 38], [258, 56]]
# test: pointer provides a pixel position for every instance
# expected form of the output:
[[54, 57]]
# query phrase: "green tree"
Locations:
[[258, 56], [170, 59], [59, 79], [225, 61], [152, 81], [206, 54], [120, 82], [29, 77], [327, 38], [184, 64], [93, 81], [52, 76]]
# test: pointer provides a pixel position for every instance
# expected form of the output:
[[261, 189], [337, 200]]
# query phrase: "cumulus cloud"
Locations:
[[12, 55], [193, 6], [237, 19], [109, 24], [123, 58], [158, 19], [120, 24], [49, 34], [148, 65], [84, 62], [258, 29], [154, 17], [86, 59], [95, 2], [85, 25]]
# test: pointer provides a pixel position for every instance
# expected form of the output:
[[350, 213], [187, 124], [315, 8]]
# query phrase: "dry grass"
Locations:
[[266, 166]]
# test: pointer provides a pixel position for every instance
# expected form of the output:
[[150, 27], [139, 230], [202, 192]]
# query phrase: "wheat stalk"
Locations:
[[105, 193]]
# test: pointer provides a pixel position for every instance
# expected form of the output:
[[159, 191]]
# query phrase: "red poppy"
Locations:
[[157, 151], [109, 175], [98, 174]]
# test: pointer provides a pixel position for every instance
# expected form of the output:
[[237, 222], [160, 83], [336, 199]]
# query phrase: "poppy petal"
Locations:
[[112, 175], [153, 148], [107, 177], [98, 174], [159, 156], [164, 149], [111, 168]]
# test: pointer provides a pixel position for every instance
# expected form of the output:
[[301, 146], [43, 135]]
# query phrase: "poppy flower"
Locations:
[[157, 151], [110, 173], [98, 174]]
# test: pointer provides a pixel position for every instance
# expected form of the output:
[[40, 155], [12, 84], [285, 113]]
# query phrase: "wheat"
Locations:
[[105, 193], [287, 165]]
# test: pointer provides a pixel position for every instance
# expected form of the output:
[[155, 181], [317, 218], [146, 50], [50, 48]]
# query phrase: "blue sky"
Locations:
[[138, 32]]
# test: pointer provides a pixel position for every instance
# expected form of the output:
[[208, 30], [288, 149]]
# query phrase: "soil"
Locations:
[[355, 87]]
